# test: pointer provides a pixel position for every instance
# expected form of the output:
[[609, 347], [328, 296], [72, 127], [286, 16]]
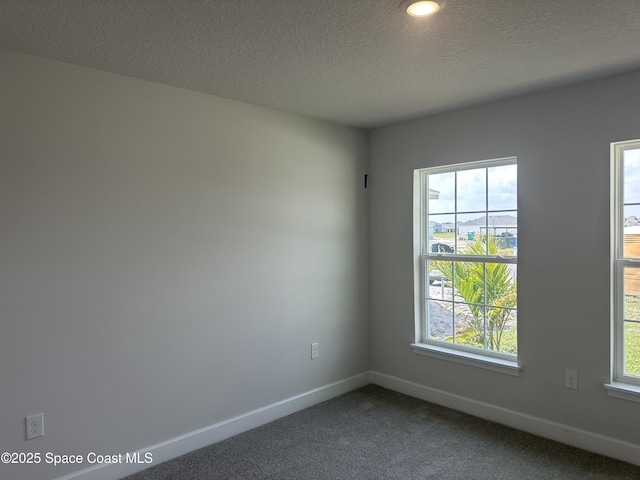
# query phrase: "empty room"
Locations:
[[319, 239]]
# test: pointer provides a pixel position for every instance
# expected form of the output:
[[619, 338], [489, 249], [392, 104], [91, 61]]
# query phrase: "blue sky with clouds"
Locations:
[[632, 182], [476, 188]]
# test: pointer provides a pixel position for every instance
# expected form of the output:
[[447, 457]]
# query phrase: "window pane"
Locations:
[[632, 293], [501, 330], [439, 282], [631, 176], [632, 348], [470, 228], [442, 193], [469, 325], [440, 315], [502, 185], [468, 279], [442, 231], [631, 232], [503, 225], [632, 321], [500, 284], [632, 215], [472, 190]]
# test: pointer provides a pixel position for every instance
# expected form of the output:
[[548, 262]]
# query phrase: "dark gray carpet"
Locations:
[[374, 433]]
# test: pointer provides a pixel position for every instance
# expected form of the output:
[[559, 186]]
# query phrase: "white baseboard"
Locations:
[[177, 446], [593, 442]]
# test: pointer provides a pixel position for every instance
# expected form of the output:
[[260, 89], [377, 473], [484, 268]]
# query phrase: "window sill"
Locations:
[[624, 391], [466, 358]]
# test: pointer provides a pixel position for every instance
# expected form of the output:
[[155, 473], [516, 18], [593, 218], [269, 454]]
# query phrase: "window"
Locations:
[[625, 277], [465, 246]]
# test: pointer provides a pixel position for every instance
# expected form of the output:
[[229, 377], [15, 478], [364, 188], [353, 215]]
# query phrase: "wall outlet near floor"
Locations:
[[571, 379], [35, 426], [314, 350]]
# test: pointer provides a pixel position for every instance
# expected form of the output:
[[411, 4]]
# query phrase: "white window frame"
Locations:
[[423, 345], [622, 385]]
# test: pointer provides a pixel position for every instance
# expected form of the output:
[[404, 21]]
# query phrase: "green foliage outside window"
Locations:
[[486, 288], [632, 336]]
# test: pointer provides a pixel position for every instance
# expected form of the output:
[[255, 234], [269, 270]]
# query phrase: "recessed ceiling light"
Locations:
[[421, 9]]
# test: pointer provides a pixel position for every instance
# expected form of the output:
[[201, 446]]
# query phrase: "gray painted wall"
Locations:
[[561, 139], [166, 259]]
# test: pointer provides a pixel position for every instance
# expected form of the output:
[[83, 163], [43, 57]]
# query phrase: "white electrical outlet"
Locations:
[[571, 379], [35, 426], [314, 350]]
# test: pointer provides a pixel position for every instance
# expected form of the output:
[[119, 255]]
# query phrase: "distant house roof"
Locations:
[[494, 221], [434, 194], [631, 221]]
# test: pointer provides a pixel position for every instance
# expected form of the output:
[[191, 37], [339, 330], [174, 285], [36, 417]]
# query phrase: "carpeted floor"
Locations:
[[374, 433]]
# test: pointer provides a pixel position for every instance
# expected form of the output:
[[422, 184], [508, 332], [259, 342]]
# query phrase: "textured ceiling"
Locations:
[[357, 62]]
